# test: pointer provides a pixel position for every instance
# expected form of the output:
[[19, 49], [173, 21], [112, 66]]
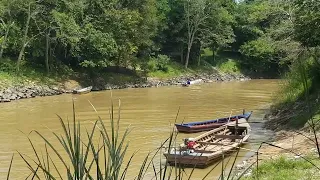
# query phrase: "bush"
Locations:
[[159, 63], [162, 62], [7, 65]]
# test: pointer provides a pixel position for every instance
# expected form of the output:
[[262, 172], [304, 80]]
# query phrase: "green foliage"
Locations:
[[260, 54], [159, 63], [226, 62], [264, 35], [230, 66], [306, 24], [6, 65], [302, 78], [173, 70], [93, 35], [283, 168]]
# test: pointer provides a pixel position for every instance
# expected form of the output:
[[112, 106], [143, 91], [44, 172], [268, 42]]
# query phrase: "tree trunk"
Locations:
[[24, 39], [181, 55], [213, 55], [4, 42], [118, 62], [199, 58], [316, 56], [47, 51], [187, 57], [190, 42]]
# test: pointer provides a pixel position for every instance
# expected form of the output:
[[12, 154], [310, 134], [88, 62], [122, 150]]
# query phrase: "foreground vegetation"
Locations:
[[285, 168]]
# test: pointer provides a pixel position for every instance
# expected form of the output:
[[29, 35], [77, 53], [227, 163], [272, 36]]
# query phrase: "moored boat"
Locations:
[[209, 124], [188, 83], [210, 146], [83, 90]]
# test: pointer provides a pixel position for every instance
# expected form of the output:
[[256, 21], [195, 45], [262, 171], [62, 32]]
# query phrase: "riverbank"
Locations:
[[30, 89], [293, 142], [288, 148]]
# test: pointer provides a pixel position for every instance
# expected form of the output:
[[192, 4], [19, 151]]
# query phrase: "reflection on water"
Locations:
[[150, 112]]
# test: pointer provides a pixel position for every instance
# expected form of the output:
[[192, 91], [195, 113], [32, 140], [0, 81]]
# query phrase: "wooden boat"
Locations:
[[210, 146], [188, 83], [209, 124], [83, 90]]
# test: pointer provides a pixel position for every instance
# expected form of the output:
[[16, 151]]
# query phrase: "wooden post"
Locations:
[[257, 164], [222, 168], [236, 127]]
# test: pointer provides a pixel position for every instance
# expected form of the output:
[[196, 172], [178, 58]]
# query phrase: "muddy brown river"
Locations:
[[149, 112]]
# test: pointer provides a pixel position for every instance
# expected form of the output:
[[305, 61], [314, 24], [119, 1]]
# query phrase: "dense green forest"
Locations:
[[50, 35]]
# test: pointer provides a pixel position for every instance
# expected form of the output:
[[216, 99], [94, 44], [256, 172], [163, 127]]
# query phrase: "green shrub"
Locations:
[[7, 65], [152, 65], [159, 63], [230, 66], [162, 63]]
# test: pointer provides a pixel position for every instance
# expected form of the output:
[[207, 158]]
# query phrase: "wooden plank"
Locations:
[[220, 144], [211, 143], [229, 136], [216, 140]]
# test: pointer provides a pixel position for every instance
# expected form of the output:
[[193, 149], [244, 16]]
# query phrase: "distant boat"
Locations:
[[209, 124], [210, 146], [83, 90], [188, 83]]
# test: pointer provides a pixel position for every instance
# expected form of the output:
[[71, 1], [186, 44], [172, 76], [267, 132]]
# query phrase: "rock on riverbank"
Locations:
[[12, 93], [29, 91], [99, 84]]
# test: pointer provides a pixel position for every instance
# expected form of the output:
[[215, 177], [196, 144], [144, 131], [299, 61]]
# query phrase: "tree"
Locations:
[[5, 25], [306, 23], [196, 13], [30, 10], [217, 31], [265, 38]]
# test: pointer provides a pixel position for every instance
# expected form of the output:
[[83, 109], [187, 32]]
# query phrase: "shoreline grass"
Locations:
[[286, 168]]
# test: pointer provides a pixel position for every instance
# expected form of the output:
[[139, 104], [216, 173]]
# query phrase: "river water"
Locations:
[[150, 113]]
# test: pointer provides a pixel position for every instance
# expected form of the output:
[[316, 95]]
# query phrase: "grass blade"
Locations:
[[9, 170]]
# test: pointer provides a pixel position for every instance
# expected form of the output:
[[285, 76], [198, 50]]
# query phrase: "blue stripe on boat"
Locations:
[[246, 116]]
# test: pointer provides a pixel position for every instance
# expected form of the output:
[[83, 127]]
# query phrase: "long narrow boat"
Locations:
[[209, 124], [210, 146], [188, 83], [83, 90]]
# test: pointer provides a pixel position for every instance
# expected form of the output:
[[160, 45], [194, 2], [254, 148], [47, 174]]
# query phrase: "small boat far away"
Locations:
[[83, 90], [209, 124], [188, 83], [210, 146]]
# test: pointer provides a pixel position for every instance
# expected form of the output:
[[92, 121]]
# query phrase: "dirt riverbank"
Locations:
[[33, 89]]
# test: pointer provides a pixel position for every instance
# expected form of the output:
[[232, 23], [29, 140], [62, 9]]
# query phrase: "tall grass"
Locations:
[[301, 79], [283, 168], [88, 160]]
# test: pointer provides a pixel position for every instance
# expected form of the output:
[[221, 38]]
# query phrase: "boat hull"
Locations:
[[211, 146], [208, 125], [83, 91], [197, 161]]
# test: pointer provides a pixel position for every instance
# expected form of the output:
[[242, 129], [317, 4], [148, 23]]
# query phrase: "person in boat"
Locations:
[[188, 82], [189, 143]]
